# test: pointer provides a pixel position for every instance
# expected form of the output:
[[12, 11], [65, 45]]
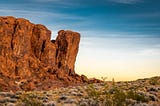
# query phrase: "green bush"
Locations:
[[110, 94], [135, 96], [154, 81], [115, 97], [29, 100], [92, 92], [119, 97]]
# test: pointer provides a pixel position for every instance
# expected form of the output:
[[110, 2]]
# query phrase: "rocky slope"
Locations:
[[29, 60], [143, 92]]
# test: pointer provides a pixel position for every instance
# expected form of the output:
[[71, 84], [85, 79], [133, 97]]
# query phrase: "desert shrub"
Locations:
[[135, 96], [92, 92], [114, 95], [99, 96], [107, 100], [154, 81], [104, 79], [107, 96], [29, 100], [113, 82], [119, 97]]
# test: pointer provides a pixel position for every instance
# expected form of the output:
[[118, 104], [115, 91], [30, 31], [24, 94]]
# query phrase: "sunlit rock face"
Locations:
[[29, 59]]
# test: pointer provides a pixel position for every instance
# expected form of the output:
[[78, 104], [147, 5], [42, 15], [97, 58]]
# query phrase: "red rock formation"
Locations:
[[67, 48], [29, 60]]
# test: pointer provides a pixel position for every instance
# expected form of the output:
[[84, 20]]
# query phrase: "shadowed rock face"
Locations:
[[29, 60], [67, 44]]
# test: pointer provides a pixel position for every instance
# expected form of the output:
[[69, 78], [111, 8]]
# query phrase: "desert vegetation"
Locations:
[[142, 92]]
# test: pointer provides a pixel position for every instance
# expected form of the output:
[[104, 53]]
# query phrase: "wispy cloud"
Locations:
[[155, 14], [48, 0], [132, 47], [157, 46], [54, 21], [150, 52], [26, 12], [61, 3], [115, 34], [126, 1], [37, 14]]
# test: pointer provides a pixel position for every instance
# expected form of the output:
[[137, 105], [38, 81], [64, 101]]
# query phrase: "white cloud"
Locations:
[[47, 0], [26, 12], [126, 1], [157, 46], [38, 16], [150, 52], [143, 15], [61, 3], [52, 20], [37, 13], [58, 1], [117, 47]]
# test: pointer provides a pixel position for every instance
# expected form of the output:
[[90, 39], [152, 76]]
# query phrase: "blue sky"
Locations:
[[132, 18], [114, 33]]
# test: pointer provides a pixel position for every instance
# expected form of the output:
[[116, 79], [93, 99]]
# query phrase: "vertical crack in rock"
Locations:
[[43, 46], [16, 70], [14, 31]]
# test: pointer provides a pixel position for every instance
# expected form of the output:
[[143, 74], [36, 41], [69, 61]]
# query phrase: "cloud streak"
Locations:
[[150, 52], [143, 15], [36, 14], [61, 3], [126, 1]]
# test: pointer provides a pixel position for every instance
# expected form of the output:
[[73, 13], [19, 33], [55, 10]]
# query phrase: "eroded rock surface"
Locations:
[[29, 60]]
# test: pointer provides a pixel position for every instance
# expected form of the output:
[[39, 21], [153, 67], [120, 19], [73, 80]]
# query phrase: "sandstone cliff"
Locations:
[[29, 60]]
